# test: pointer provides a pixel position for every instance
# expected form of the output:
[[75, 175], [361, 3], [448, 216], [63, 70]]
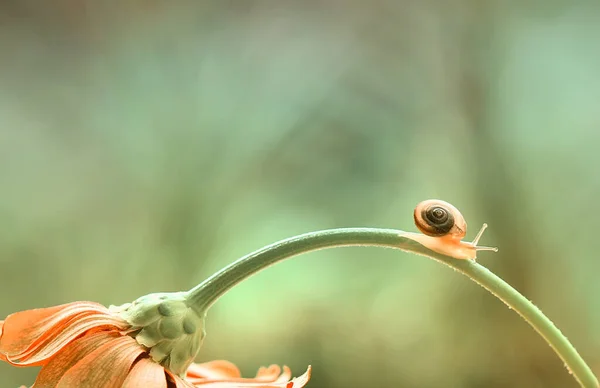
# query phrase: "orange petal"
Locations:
[[105, 367], [23, 328], [178, 381], [273, 374], [2, 356], [146, 373], [53, 371], [300, 381], [41, 353], [31, 337], [266, 378], [214, 370]]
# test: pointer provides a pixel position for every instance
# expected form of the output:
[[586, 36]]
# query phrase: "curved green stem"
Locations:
[[201, 297]]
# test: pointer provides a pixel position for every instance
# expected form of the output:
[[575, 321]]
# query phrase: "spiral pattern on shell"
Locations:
[[436, 218]]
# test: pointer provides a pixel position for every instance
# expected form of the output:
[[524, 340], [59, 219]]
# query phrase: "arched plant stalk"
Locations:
[[201, 297]]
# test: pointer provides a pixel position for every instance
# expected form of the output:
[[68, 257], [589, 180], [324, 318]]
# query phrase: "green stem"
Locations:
[[201, 297]]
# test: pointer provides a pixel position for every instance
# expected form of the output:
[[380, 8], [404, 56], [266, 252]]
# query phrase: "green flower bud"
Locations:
[[164, 323]]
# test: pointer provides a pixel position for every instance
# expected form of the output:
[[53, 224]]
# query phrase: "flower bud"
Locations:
[[164, 323]]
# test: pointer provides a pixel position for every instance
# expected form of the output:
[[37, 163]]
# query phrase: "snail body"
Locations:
[[443, 228]]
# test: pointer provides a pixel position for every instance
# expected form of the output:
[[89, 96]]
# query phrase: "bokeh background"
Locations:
[[144, 145]]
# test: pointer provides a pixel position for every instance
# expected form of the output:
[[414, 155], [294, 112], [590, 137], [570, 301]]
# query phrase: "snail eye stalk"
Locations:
[[476, 241]]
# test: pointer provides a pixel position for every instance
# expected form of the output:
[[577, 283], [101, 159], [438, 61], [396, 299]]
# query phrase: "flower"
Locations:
[[84, 344]]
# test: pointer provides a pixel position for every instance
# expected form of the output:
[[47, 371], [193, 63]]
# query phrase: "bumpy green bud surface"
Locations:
[[165, 324]]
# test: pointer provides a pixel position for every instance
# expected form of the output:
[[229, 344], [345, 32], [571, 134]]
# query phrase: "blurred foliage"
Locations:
[[144, 145]]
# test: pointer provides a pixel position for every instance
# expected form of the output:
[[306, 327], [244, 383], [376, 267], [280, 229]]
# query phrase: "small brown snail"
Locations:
[[443, 228]]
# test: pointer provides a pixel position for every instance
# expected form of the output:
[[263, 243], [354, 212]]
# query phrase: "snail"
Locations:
[[443, 228]]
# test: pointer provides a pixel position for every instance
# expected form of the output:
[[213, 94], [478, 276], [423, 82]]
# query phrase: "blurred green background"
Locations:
[[144, 145]]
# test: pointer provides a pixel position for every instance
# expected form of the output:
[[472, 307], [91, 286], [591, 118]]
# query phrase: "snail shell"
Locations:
[[438, 218]]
